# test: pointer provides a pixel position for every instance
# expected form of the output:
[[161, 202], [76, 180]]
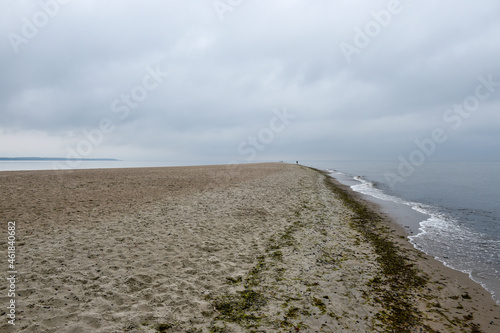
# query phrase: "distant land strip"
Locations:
[[54, 159]]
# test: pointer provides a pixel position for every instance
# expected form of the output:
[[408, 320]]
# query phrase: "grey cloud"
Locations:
[[226, 77]]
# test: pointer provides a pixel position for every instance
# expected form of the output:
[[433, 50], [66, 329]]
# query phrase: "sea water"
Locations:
[[461, 203]]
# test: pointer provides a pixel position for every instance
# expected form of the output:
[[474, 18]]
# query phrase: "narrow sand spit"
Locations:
[[260, 247]]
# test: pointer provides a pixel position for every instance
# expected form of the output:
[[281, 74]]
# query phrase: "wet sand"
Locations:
[[262, 247]]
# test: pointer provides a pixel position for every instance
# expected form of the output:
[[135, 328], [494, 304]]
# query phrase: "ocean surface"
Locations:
[[459, 205], [456, 206]]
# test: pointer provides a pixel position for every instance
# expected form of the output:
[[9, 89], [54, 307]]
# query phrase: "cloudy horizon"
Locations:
[[243, 80]]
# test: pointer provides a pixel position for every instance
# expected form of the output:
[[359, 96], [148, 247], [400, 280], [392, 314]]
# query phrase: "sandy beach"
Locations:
[[251, 248]]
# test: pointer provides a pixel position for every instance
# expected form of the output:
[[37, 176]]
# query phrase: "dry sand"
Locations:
[[261, 247]]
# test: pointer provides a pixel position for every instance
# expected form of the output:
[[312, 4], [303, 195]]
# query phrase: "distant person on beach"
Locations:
[[297, 162]]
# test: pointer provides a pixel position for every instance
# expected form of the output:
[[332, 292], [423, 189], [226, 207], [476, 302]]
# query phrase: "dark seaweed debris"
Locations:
[[398, 279]]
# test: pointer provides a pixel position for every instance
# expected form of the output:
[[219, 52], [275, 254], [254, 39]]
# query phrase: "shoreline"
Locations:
[[220, 249], [425, 262], [408, 221]]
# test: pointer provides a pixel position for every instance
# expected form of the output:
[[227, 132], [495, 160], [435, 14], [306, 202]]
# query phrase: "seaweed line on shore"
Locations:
[[399, 281]]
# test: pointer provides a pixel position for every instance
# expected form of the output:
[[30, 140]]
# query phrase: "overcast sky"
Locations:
[[249, 80]]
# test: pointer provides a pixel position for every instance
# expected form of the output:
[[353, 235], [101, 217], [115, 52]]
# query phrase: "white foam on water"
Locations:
[[457, 248]]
